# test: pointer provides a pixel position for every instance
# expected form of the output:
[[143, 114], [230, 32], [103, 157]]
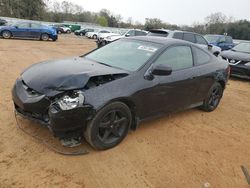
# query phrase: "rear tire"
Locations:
[[94, 36], [44, 37], [213, 98], [6, 34], [109, 126], [68, 32]]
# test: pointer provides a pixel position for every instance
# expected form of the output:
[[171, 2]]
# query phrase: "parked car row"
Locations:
[[219, 45]]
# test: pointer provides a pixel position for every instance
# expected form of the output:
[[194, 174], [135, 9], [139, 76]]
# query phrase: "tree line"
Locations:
[[54, 11]]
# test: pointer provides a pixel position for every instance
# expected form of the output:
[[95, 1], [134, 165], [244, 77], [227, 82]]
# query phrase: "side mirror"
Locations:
[[161, 70], [209, 46], [16, 27], [127, 35]]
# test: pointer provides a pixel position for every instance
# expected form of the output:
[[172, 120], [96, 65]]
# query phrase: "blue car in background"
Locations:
[[28, 30], [222, 41]]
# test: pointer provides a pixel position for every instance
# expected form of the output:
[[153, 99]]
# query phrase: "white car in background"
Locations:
[[114, 36], [94, 34], [65, 29]]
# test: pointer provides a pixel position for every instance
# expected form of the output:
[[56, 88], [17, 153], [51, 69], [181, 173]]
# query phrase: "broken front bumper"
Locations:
[[39, 108]]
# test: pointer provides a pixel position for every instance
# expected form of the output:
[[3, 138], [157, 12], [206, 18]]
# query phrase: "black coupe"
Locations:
[[109, 91]]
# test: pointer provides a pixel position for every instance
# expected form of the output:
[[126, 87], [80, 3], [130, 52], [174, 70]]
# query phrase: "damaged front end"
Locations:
[[52, 93], [66, 115]]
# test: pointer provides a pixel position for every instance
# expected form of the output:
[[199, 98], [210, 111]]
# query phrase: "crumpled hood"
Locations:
[[236, 55], [53, 77]]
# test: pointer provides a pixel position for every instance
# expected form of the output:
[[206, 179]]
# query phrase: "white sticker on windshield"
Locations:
[[147, 48]]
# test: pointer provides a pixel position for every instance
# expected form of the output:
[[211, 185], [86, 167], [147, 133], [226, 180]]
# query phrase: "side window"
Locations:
[[178, 35], [229, 40], [200, 40], [23, 25], [177, 57], [131, 33], [189, 37], [35, 26], [200, 56], [140, 33]]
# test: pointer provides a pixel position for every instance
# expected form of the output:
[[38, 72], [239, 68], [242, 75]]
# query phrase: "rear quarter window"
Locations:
[[200, 57], [200, 40]]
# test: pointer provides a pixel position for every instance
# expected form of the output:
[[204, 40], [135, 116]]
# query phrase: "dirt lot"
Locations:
[[186, 149]]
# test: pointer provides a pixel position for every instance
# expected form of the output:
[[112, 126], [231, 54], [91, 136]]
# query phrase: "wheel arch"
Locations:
[[131, 105], [6, 30], [222, 83]]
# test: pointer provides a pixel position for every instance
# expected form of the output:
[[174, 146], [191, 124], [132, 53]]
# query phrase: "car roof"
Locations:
[[218, 35], [173, 31], [159, 40]]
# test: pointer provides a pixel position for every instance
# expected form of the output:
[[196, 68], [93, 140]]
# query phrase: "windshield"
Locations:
[[159, 33], [129, 55], [242, 47], [211, 38]]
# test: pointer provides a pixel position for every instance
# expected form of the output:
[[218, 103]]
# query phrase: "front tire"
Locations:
[[213, 98], [44, 37], [109, 126], [6, 34]]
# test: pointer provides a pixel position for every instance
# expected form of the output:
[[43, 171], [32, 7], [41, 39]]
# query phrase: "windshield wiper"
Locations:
[[103, 64]]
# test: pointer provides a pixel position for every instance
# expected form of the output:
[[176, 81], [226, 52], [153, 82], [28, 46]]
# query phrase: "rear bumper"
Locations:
[[240, 70], [40, 109]]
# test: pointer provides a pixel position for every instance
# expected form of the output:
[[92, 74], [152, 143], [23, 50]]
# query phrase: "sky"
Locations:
[[180, 12]]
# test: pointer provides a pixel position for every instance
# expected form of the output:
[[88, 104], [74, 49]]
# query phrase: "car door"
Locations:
[[22, 30], [173, 92], [35, 31]]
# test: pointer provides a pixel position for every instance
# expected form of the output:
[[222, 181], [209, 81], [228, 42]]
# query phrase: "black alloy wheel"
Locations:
[[213, 99], [109, 127]]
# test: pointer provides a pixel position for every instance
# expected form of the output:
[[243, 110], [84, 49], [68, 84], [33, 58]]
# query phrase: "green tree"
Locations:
[[28, 9], [102, 21]]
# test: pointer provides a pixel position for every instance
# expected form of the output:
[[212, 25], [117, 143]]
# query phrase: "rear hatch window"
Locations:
[[158, 33]]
